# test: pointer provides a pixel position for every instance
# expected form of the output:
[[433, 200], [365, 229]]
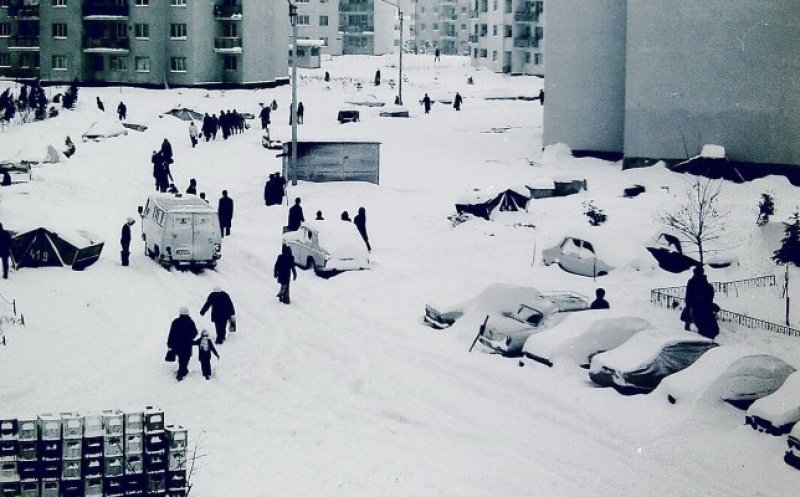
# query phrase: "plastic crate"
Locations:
[[50, 468], [27, 451], [9, 488], [155, 483], [93, 487], [29, 488], [93, 446], [8, 429], [135, 483], [177, 436], [113, 446], [176, 480], [114, 466], [27, 430], [155, 462], [134, 464], [92, 467], [71, 426], [113, 422], [71, 469], [49, 449], [72, 449], [177, 492], [28, 469], [134, 443], [8, 449], [93, 425], [113, 486], [177, 460], [155, 442], [8, 471], [49, 426], [71, 488], [50, 488], [153, 419], [134, 422]]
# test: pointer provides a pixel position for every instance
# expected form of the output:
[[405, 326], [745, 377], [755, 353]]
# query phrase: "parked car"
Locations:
[[676, 257], [348, 116], [792, 456], [639, 364], [507, 333], [328, 247], [734, 374], [576, 255], [776, 413], [582, 337]]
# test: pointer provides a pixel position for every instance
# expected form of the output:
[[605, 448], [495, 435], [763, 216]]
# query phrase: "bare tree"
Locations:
[[700, 220]]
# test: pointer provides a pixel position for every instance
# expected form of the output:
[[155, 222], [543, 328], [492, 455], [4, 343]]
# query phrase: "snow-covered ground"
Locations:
[[345, 392]]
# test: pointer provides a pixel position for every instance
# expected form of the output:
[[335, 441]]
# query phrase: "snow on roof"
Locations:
[[186, 203], [710, 151], [477, 196], [642, 348], [541, 183], [783, 406]]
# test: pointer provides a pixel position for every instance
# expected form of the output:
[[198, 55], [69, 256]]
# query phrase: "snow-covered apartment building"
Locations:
[[442, 24], [508, 36], [146, 42], [649, 79], [346, 27]]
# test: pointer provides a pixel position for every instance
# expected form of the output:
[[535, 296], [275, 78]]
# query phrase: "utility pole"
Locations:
[[293, 110], [400, 84]]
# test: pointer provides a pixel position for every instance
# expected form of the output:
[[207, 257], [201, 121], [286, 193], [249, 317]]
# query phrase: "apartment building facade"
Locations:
[[508, 36], [442, 24], [652, 80], [367, 27], [146, 42], [319, 20]]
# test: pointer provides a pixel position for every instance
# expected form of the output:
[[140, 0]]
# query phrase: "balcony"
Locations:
[[23, 43], [473, 39], [105, 10], [345, 7], [106, 45], [20, 72], [522, 42], [356, 29], [473, 14], [526, 17], [228, 45], [19, 11], [228, 12]]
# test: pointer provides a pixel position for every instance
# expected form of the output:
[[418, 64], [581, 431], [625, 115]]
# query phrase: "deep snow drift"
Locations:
[[345, 392]]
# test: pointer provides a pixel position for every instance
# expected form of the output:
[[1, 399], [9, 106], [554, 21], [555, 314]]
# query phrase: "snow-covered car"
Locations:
[[507, 333], [577, 256], [734, 374], [792, 456], [776, 413], [348, 116], [676, 257], [639, 364], [582, 337], [328, 247]]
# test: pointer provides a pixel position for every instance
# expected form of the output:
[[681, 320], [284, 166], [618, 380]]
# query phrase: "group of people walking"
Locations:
[[229, 123], [162, 159]]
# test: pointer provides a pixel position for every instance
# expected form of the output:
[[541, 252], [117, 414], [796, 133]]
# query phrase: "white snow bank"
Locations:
[[710, 151], [782, 407]]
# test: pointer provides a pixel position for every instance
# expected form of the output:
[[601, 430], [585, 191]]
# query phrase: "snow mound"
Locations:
[[782, 408], [642, 349]]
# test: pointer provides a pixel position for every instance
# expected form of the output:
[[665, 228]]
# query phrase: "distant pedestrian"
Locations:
[[284, 272], [203, 197], [122, 111], [296, 217], [327, 77], [378, 77], [100, 104], [600, 302], [266, 119], [166, 151], [125, 241], [436, 55], [225, 210], [426, 102], [274, 104], [222, 312], [5, 249], [207, 126], [319, 216], [345, 217], [182, 333], [204, 350], [300, 111], [457, 101], [361, 224], [192, 190], [193, 134], [541, 96]]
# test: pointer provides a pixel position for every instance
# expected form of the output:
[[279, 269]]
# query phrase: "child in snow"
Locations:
[[206, 348]]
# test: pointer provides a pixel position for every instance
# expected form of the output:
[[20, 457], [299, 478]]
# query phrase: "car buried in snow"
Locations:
[[577, 256], [327, 247]]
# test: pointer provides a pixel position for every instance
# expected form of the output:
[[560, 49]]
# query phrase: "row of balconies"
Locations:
[[105, 8], [91, 43], [228, 11], [23, 42], [356, 29], [526, 17], [107, 43], [18, 10], [345, 7]]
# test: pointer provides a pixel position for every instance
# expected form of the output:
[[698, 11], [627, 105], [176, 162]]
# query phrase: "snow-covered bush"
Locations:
[[766, 208], [595, 214]]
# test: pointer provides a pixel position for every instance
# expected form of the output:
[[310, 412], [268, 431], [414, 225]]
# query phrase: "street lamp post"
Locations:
[[400, 83], [293, 110]]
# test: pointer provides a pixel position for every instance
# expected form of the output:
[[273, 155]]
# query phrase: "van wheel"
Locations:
[[310, 264]]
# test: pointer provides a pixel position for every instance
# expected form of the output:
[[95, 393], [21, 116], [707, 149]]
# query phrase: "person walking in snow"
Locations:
[[100, 104], [125, 241], [600, 301], [204, 350], [182, 333], [166, 151], [122, 111], [296, 217], [284, 271], [345, 217], [361, 224], [541, 96], [5, 249], [692, 299], [225, 210], [426, 102], [193, 134], [436, 55], [274, 104], [319, 216], [222, 312], [457, 101], [192, 190], [265, 116], [300, 111], [377, 77]]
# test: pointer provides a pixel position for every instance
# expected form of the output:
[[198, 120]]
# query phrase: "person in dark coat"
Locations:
[[182, 333], [600, 301], [319, 216], [327, 77], [436, 54], [361, 224], [704, 311], [222, 311], [192, 190], [457, 101], [125, 241], [204, 350], [225, 210], [426, 102], [284, 272], [541, 96], [274, 104], [296, 217], [269, 187], [693, 295], [5, 249], [100, 104], [265, 116], [122, 111], [377, 77], [345, 217], [300, 111], [166, 151]]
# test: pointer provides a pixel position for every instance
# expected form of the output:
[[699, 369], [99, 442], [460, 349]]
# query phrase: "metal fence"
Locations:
[[674, 297]]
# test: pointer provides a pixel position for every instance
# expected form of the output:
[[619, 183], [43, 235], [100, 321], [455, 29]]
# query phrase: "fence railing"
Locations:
[[674, 298]]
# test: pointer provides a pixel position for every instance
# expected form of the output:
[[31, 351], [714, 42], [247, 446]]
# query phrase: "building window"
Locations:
[[508, 31], [142, 3], [303, 20], [323, 20], [4, 3], [463, 27], [118, 63], [483, 53], [229, 62], [29, 60], [301, 1], [494, 6], [5, 59], [177, 64], [484, 29], [323, 1], [507, 7], [229, 30], [494, 29], [97, 63], [59, 63], [177, 31], [494, 55], [421, 9], [5, 29], [177, 3], [324, 41], [141, 31], [142, 64], [59, 30], [59, 3], [422, 26], [435, 26], [475, 53], [538, 59]]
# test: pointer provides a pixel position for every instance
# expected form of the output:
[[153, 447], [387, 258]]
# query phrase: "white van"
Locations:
[[180, 229]]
